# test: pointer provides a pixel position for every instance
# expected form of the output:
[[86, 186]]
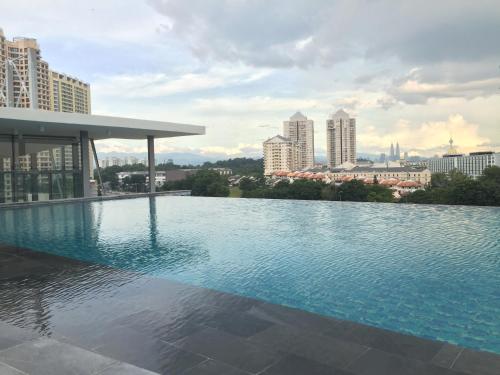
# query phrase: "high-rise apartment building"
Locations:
[[340, 139], [301, 130], [27, 82], [68, 94], [24, 76], [280, 154]]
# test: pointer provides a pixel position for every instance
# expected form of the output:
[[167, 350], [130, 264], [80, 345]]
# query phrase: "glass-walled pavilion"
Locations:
[[45, 155]]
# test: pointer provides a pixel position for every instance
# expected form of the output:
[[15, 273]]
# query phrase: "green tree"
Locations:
[[209, 183], [379, 193], [353, 190]]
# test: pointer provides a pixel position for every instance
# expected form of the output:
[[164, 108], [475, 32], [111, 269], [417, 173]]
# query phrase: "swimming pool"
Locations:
[[430, 271]]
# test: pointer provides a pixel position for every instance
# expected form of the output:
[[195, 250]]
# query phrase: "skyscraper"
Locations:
[[301, 130], [280, 154], [392, 157], [340, 139], [398, 153], [27, 82]]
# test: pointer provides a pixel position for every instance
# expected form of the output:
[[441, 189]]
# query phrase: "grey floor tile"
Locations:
[[11, 335], [211, 367], [230, 349], [376, 362], [447, 356], [323, 349], [239, 324], [127, 345], [296, 365], [388, 341], [294, 317], [125, 369], [50, 357], [162, 326], [478, 363], [8, 370]]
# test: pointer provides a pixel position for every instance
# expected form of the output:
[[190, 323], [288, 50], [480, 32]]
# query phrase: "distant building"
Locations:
[[392, 155], [301, 130], [405, 155], [223, 171], [382, 158], [280, 154], [472, 165], [341, 139], [422, 176], [398, 152]]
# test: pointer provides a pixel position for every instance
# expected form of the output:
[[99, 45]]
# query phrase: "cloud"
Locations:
[[412, 89], [304, 33], [425, 139], [152, 85]]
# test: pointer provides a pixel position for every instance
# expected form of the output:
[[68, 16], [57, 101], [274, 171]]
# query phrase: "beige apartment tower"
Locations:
[[301, 130], [340, 139], [280, 154], [68, 94]]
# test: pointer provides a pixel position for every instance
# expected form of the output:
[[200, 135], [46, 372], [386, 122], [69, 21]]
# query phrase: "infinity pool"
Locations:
[[429, 271]]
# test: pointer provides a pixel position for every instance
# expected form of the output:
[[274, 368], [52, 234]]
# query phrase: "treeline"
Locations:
[[457, 188], [204, 183], [353, 190], [240, 166]]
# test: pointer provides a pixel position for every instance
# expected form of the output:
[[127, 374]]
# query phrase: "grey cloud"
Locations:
[[270, 33]]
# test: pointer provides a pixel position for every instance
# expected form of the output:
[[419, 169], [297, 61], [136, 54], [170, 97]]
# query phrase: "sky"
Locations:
[[413, 72]]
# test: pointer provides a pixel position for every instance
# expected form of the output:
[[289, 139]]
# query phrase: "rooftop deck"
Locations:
[[61, 316]]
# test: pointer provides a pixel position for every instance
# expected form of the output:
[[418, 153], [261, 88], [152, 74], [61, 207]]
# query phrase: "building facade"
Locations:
[[471, 165], [422, 176], [24, 76], [68, 94], [340, 139], [280, 154], [301, 130]]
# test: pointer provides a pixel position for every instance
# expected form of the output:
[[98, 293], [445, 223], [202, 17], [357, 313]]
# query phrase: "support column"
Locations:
[[151, 163], [84, 156]]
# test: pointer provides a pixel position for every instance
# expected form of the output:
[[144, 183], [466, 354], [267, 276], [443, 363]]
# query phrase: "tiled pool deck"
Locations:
[[61, 316]]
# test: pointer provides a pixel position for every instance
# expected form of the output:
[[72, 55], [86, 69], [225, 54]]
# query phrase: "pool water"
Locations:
[[430, 271]]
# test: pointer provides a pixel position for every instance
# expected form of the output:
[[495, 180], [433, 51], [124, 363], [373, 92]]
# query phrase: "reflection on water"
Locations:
[[93, 232], [428, 271]]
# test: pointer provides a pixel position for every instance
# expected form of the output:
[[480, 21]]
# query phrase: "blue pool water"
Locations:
[[428, 271]]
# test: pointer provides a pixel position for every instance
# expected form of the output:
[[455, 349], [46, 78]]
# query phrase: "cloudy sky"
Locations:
[[409, 71]]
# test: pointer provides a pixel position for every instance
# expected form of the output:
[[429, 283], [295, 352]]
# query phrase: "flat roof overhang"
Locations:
[[39, 122]]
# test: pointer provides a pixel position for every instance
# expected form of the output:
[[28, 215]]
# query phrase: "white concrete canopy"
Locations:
[[38, 122]]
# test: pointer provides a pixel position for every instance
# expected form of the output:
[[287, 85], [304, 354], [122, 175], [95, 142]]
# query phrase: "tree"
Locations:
[[379, 193], [353, 190], [209, 183], [329, 192], [439, 180]]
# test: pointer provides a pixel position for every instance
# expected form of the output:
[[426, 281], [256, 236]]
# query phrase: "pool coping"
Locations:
[[95, 199]]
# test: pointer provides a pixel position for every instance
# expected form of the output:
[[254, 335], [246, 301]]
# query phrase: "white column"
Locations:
[[84, 156], [151, 163]]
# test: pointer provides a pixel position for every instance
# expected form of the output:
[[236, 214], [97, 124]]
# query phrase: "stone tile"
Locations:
[[161, 326], [11, 335], [238, 324], [211, 367], [8, 370], [230, 349], [296, 365], [144, 351], [388, 341], [478, 363], [447, 356], [376, 362], [323, 349], [50, 357], [125, 369], [294, 317]]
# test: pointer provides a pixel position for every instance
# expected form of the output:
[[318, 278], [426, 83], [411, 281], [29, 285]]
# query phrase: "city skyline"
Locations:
[[244, 85]]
